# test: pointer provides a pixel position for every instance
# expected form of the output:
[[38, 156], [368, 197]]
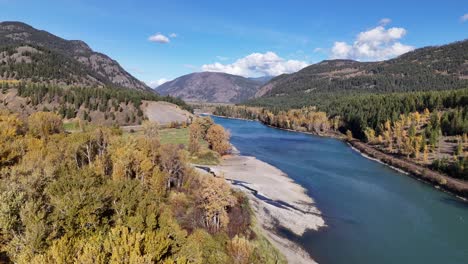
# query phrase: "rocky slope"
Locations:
[[213, 87], [35, 55]]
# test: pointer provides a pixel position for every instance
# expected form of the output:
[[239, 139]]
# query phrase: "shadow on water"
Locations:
[[276, 203]]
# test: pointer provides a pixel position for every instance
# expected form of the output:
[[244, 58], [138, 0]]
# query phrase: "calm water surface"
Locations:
[[374, 214]]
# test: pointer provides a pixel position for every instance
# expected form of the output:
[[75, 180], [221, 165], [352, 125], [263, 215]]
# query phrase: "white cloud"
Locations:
[[221, 58], [154, 84], [173, 35], [258, 64], [316, 50], [159, 38], [464, 18], [385, 21], [378, 43]]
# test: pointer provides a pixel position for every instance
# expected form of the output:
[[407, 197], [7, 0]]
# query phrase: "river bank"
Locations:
[[436, 179], [276, 200]]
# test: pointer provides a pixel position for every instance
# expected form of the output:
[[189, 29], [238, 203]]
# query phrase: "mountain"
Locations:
[[262, 79], [35, 55], [213, 87], [429, 68]]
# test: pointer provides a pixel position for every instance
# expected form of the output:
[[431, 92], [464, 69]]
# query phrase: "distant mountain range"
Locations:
[[35, 55], [429, 68], [214, 87]]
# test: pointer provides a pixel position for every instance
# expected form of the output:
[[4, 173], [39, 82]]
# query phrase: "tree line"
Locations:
[[359, 111]]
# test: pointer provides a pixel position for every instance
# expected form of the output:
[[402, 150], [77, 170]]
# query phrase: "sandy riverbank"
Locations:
[[276, 201]]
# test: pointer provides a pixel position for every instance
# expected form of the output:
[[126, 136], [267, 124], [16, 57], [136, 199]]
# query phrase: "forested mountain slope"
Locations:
[[35, 55], [430, 68]]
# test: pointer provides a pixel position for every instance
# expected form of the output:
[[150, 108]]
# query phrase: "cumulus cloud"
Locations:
[[155, 84], [258, 64], [173, 35], [159, 38], [378, 43], [464, 18]]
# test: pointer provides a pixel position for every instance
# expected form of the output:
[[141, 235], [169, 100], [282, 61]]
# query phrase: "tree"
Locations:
[[173, 163], [216, 198], [150, 128], [44, 124], [218, 139], [240, 249], [10, 143], [205, 124], [370, 134], [195, 133], [349, 135], [425, 153]]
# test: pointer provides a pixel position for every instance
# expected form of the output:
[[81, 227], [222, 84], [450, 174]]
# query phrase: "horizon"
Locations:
[[174, 42]]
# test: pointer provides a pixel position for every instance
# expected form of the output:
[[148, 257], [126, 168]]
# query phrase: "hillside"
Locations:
[[97, 105], [213, 87], [430, 68], [35, 55]]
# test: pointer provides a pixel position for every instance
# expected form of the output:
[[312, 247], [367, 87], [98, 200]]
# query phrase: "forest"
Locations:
[[40, 64], [99, 195]]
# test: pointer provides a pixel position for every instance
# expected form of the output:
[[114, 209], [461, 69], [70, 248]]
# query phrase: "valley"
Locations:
[[233, 132]]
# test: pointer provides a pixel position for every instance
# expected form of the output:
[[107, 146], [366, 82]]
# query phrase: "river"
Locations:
[[374, 213]]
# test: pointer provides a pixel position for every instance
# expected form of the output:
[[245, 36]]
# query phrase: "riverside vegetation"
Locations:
[[429, 128], [100, 196]]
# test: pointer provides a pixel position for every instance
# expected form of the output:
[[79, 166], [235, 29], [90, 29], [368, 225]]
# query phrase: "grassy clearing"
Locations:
[[71, 126], [180, 136], [174, 136]]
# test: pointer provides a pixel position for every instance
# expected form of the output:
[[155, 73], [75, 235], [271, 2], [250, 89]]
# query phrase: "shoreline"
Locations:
[[227, 117], [407, 173], [276, 200], [437, 180]]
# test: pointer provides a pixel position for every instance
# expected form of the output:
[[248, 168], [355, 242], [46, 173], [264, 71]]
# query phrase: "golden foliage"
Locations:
[[218, 139], [43, 124]]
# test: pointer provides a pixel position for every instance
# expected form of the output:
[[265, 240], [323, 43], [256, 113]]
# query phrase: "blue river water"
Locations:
[[373, 213]]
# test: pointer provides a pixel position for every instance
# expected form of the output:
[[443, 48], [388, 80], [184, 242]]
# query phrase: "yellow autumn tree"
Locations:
[[240, 250], [218, 139], [216, 198], [10, 145], [150, 129], [370, 134], [195, 134], [44, 124], [349, 135]]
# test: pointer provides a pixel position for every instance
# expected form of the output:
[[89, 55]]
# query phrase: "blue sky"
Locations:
[[250, 38]]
